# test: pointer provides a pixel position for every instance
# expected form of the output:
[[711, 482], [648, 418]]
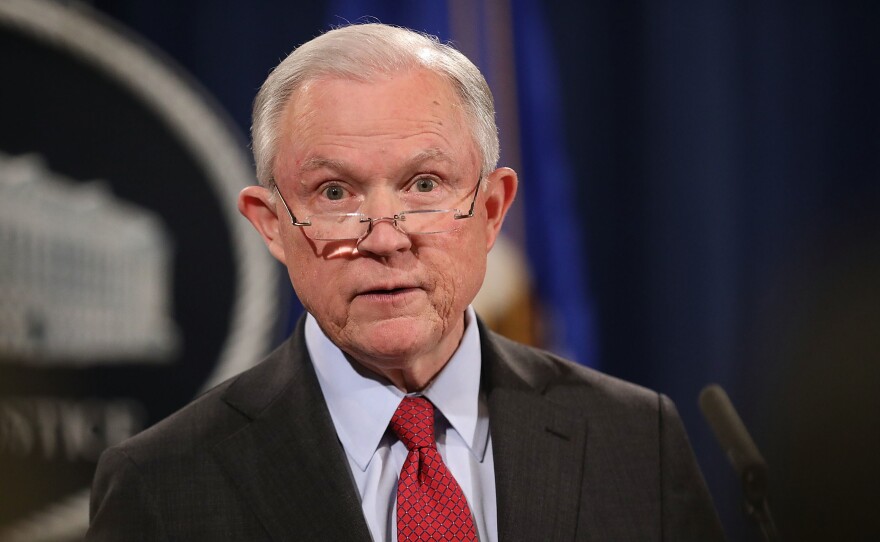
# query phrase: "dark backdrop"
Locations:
[[727, 158]]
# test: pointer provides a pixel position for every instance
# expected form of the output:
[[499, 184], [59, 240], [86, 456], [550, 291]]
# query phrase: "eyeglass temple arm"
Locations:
[[473, 201], [293, 219]]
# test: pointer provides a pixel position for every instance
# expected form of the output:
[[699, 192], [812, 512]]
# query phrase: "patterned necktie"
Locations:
[[430, 503]]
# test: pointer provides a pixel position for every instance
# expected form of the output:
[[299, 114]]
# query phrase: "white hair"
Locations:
[[361, 52]]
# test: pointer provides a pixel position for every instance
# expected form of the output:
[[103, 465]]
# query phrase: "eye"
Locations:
[[425, 184], [334, 192]]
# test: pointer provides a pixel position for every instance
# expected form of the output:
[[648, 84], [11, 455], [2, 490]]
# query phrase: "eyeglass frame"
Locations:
[[366, 219]]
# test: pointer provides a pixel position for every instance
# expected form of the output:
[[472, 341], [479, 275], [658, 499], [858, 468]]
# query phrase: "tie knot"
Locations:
[[413, 423]]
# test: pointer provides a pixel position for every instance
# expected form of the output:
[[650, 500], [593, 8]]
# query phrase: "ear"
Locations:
[[501, 189], [257, 205]]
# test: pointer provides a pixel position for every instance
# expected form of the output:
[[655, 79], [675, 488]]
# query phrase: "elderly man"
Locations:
[[392, 413]]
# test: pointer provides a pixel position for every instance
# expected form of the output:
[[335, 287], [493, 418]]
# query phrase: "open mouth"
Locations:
[[387, 294]]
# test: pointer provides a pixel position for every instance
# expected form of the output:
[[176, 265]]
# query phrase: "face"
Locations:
[[393, 302]]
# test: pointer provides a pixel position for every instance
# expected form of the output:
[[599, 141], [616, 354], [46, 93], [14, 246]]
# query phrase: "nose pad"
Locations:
[[392, 220], [382, 241]]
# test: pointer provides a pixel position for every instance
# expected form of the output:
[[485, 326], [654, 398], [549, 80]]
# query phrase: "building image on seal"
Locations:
[[85, 277]]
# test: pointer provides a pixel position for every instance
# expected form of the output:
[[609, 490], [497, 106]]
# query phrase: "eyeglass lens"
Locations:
[[355, 226]]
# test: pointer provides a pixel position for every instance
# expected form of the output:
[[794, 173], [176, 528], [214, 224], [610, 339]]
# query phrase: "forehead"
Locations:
[[388, 118]]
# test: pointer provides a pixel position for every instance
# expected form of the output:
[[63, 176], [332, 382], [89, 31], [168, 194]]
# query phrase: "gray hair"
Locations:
[[360, 52]]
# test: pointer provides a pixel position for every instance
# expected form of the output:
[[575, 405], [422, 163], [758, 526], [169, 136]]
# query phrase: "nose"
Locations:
[[384, 237]]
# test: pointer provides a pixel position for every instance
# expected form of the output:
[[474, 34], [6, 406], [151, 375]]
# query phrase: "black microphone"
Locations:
[[736, 442]]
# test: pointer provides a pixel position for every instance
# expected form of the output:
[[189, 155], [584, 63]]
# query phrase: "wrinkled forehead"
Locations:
[[438, 82], [331, 102]]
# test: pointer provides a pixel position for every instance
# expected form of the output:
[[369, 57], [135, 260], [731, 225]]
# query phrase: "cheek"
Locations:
[[309, 274], [460, 268]]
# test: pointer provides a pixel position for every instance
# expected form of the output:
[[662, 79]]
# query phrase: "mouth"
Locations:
[[395, 296], [389, 291]]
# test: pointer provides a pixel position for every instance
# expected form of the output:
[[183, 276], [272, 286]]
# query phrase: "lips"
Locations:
[[393, 291], [388, 291], [392, 297], [387, 288]]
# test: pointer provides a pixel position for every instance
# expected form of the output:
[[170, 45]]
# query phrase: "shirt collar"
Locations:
[[455, 391], [361, 404]]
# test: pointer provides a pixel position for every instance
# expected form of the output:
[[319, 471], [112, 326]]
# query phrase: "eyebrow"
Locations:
[[320, 162], [426, 155]]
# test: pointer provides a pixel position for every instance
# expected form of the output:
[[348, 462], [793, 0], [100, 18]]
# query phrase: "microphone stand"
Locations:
[[756, 506], [735, 440]]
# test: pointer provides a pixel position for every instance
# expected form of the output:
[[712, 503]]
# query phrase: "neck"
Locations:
[[413, 373]]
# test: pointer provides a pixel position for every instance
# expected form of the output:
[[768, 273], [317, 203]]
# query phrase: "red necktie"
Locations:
[[430, 504]]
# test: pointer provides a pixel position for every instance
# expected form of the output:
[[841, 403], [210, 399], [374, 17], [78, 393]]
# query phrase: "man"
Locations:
[[392, 413]]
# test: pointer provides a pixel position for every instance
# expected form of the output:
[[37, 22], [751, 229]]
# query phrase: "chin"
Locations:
[[397, 339]]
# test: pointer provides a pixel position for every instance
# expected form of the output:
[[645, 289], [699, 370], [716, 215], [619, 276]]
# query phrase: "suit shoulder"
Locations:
[[205, 420], [214, 415], [563, 380]]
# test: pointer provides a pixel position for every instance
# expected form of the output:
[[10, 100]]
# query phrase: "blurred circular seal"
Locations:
[[128, 280]]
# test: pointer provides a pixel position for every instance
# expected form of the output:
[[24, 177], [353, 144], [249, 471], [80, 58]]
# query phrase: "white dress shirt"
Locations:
[[361, 405]]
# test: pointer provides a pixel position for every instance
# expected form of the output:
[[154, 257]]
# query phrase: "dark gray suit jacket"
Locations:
[[578, 456]]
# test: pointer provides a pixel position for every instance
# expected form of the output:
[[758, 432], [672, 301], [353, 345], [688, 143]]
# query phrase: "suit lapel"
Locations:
[[538, 448], [287, 461], [292, 471]]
